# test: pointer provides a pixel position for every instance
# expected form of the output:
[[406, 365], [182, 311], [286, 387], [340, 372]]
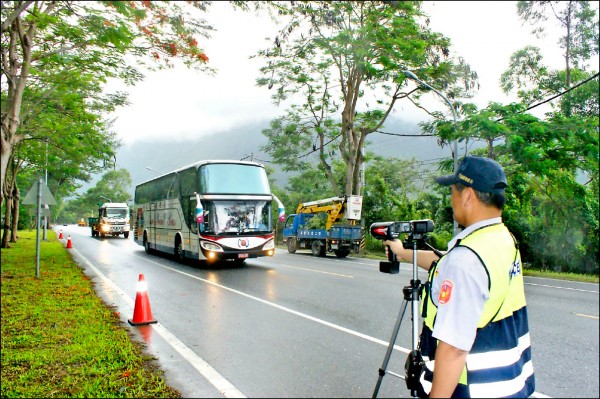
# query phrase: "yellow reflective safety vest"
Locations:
[[499, 362]]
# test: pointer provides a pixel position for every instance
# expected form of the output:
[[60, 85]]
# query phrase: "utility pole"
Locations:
[[414, 77], [46, 181]]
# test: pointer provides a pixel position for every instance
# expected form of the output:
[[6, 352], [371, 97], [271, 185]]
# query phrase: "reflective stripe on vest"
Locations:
[[499, 363]]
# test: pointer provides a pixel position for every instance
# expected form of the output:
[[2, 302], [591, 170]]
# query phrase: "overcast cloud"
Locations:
[[185, 104]]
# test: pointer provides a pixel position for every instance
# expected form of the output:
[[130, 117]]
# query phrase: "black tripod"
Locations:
[[412, 293]]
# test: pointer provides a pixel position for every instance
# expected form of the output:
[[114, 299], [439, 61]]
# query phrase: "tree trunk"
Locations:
[[15, 214], [5, 155], [16, 87], [326, 166], [568, 44], [490, 149], [7, 215]]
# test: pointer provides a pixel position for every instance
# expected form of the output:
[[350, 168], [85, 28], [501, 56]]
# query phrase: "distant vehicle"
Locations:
[[209, 210], [113, 219], [326, 225], [64, 224], [81, 222]]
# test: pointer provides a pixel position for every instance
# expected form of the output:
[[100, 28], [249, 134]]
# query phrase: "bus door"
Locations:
[[192, 218], [152, 225], [191, 233]]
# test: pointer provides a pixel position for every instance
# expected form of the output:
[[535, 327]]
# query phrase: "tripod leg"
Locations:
[[388, 353]]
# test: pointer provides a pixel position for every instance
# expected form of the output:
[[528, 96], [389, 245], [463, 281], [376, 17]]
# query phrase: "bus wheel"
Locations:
[[126, 234], [146, 244], [178, 250], [291, 245]]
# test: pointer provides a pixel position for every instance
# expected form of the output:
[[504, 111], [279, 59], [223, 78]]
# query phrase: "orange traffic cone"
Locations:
[[69, 243], [142, 314], [60, 236]]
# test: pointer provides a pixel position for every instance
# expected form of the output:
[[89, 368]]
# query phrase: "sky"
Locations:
[[180, 104]]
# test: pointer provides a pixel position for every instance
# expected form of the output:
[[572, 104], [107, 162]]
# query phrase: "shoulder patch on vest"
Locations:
[[445, 292]]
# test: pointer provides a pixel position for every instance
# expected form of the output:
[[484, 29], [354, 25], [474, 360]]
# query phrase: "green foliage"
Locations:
[[552, 171], [309, 185], [63, 54], [534, 81], [59, 339], [318, 221], [577, 18], [334, 56], [114, 184]]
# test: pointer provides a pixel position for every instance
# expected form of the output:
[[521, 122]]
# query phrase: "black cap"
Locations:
[[483, 174]]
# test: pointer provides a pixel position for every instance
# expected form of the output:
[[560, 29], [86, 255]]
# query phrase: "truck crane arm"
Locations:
[[334, 208]]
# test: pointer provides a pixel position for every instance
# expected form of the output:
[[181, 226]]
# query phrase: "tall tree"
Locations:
[[579, 22], [341, 64], [90, 37], [534, 81], [551, 210]]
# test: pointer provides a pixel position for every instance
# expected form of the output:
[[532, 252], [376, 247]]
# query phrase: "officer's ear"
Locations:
[[469, 196]]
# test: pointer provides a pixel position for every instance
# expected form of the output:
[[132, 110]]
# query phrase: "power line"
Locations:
[[405, 134], [433, 135], [324, 145], [558, 95]]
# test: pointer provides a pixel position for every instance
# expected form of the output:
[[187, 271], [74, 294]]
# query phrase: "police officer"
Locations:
[[475, 338]]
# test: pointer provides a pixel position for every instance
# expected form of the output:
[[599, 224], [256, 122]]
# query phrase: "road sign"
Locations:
[[39, 194], [44, 212], [31, 197]]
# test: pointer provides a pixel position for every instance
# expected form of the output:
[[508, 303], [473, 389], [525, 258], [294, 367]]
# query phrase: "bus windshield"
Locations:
[[238, 217], [223, 178]]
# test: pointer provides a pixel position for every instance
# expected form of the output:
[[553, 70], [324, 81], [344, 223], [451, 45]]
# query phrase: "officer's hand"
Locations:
[[396, 247]]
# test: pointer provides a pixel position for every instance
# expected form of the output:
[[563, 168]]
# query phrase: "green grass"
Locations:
[[59, 339], [585, 278]]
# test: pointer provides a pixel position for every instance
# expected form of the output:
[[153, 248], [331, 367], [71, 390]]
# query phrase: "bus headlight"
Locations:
[[210, 246]]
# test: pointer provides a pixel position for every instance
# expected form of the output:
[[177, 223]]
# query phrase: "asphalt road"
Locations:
[[303, 326]]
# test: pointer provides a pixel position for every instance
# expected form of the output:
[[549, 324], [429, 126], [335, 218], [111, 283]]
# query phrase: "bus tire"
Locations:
[[179, 254], [126, 234], [147, 244], [291, 245]]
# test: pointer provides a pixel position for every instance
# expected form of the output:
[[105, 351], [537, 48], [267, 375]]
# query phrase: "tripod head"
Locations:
[[416, 238]]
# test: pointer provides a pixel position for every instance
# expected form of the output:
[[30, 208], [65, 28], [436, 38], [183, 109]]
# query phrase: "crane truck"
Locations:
[[327, 225]]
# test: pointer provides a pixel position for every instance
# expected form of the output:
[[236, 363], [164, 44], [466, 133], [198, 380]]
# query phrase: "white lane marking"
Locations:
[[216, 379], [561, 288], [586, 315], [319, 271]]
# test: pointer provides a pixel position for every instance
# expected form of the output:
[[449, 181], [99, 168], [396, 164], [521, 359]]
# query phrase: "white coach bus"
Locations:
[[211, 210]]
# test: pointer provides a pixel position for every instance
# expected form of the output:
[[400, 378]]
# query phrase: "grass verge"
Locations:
[[59, 339]]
